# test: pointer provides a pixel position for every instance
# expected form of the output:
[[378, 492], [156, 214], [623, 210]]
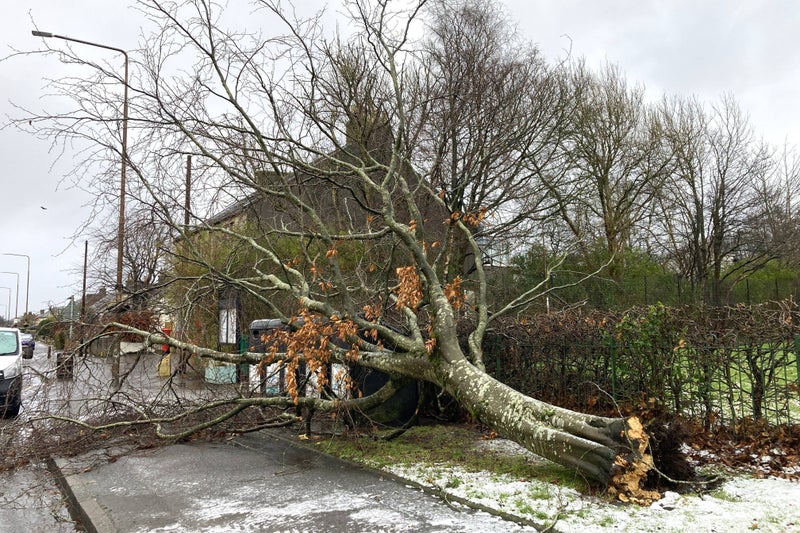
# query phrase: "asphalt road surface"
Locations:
[[30, 499]]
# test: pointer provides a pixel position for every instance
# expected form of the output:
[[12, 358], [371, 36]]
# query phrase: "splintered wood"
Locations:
[[630, 470]]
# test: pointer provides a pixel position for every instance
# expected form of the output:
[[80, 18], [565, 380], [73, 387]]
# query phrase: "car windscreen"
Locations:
[[8, 342]]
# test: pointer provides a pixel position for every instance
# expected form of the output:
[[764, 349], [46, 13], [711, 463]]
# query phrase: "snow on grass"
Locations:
[[740, 504]]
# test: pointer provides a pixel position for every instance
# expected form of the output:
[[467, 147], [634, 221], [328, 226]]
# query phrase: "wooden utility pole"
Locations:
[[187, 201], [83, 294]]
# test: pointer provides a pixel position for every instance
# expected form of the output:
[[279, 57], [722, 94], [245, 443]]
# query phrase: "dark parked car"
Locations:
[[28, 345]]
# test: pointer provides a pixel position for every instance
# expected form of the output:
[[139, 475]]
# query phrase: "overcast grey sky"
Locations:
[[703, 47]]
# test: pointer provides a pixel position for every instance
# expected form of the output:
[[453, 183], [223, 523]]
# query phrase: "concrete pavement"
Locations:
[[256, 482]]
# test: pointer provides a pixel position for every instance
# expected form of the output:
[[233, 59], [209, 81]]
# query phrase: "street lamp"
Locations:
[[16, 307], [121, 227], [27, 280]]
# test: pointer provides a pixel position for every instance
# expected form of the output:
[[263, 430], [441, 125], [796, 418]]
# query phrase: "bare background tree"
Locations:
[[713, 204]]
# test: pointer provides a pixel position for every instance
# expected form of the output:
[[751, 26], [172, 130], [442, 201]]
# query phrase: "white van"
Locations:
[[10, 372]]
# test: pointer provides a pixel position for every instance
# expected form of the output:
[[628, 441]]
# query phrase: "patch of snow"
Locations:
[[740, 504], [503, 446]]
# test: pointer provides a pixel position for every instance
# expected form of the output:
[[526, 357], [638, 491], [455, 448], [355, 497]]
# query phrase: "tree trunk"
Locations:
[[611, 451]]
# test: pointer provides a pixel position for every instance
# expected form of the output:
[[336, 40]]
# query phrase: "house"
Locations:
[[339, 198]]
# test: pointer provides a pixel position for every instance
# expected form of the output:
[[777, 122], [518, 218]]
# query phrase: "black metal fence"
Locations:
[[671, 290]]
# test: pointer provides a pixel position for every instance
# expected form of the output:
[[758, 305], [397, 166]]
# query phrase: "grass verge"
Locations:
[[451, 446]]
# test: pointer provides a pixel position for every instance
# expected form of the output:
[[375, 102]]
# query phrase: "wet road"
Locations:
[[30, 500]]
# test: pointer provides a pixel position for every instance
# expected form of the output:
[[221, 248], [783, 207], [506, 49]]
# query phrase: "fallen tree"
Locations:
[[368, 179], [610, 451]]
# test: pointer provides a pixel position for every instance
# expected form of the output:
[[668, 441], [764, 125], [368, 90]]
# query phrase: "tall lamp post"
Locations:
[[27, 280], [121, 227], [16, 305]]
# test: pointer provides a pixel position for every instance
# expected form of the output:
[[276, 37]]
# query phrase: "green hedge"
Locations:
[[721, 366]]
